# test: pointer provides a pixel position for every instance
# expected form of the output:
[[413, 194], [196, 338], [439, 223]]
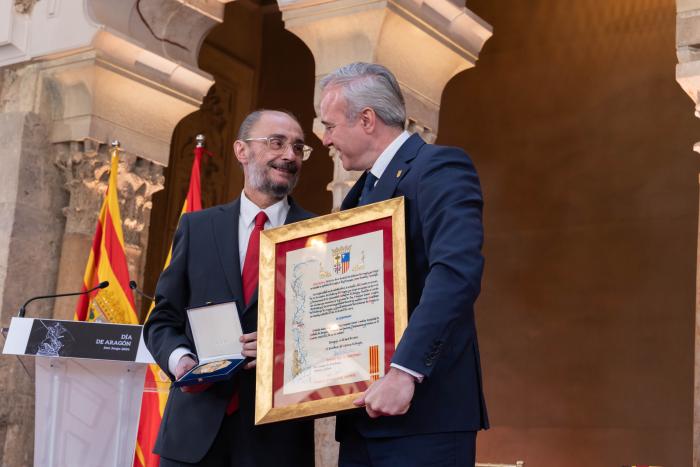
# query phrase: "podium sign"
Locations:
[[74, 339], [89, 384]]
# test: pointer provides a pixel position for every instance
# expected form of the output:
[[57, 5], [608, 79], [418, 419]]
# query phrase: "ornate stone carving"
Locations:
[[85, 166], [426, 133], [24, 7], [171, 29]]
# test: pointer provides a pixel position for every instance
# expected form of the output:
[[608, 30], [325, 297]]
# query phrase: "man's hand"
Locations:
[[185, 364], [250, 348], [390, 395]]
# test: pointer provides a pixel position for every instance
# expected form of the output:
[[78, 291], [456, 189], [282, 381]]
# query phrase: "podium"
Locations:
[[89, 385]]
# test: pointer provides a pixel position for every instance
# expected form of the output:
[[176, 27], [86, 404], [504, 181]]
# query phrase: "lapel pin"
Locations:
[[398, 174]]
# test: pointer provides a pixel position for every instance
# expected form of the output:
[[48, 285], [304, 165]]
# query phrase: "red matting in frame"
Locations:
[[280, 399]]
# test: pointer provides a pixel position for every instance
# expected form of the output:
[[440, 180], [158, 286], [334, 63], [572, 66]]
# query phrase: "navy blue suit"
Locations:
[[205, 267], [444, 267]]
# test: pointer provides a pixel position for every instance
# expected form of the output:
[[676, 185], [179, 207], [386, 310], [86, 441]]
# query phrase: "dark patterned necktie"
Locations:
[[370, 181]]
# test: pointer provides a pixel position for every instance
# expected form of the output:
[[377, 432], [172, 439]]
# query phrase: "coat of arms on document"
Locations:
[[341, 259]]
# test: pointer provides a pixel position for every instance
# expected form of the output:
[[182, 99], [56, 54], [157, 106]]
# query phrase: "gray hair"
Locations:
[[369, 85], [254, 117]]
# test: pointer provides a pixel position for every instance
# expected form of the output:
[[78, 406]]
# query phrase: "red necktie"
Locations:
[[250, 265], [250, 282]]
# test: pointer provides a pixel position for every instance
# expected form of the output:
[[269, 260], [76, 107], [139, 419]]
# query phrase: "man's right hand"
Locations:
[[185, 364]]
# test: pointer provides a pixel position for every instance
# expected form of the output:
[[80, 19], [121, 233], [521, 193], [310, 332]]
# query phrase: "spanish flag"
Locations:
[[157, 383], [107, 262]]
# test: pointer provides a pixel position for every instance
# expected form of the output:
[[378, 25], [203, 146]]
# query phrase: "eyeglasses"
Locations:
[[277, 144]]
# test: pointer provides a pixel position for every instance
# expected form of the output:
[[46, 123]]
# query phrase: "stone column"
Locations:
[[688, 76], [73, 77], [30, 231], [423, 42]]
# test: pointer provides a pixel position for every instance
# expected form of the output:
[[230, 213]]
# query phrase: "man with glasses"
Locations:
[[215, 259]]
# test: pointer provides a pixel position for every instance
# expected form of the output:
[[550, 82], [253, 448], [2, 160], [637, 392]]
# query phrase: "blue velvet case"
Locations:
[[216, 329], [221, 374]]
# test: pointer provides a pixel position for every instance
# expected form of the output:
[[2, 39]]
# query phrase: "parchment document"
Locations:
[[334, 313]]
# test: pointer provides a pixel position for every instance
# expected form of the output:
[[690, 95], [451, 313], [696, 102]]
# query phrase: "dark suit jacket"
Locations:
[[444, 266], [205, 267]]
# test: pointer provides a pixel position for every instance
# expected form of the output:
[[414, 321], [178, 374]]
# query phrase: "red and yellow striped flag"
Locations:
[[107, 262], [153, 402], [373, 362]]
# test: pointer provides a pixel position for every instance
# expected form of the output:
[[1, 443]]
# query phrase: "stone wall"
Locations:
[[31, 227]]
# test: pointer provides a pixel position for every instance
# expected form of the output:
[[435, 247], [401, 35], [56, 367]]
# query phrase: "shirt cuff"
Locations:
[[419, 377], [175, 357]]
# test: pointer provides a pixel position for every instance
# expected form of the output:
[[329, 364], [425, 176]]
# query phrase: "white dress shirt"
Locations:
[[276, 215]]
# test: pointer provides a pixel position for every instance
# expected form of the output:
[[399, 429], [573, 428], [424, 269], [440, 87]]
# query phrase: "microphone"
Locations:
[[22, 309], [134, 287]]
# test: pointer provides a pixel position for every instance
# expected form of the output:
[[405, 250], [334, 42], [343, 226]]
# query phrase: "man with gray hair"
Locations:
[[427, 408], [215, 260]]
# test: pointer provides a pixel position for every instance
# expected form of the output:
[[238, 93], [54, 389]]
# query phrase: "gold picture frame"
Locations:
[[376, 283]]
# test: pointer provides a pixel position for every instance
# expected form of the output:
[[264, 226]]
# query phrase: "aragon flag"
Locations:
[[107, 262], [153, 402]]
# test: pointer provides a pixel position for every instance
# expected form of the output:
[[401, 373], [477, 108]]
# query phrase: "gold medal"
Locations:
[[212, 367]]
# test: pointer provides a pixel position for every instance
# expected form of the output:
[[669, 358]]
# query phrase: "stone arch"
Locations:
[[247, 76]]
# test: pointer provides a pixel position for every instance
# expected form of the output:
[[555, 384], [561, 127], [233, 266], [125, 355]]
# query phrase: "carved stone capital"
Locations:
[[85, 167], [424, 42], [171, 29], [86, 96], [24, 7]]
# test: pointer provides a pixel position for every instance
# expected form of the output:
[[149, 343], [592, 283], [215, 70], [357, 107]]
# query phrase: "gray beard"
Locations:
[[259, 181]]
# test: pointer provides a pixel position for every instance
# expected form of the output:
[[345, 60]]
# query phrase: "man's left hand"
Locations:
[[390, 395], [250, 348]]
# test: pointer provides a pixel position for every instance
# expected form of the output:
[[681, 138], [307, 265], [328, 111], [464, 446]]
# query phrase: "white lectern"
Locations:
[[89, 384]]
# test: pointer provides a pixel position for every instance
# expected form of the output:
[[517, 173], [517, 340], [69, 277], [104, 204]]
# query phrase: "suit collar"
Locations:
[[382, 162], [353, 196], [395, 171], [225, 225], [295, 213]]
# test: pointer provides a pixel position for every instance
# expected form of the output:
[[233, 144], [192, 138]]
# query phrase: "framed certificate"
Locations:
[[331, 309]]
